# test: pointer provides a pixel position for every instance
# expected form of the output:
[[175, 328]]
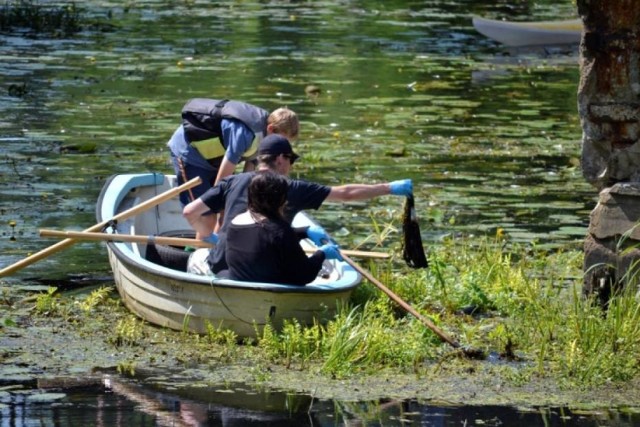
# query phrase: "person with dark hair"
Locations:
[[263, 247], [230, 194]]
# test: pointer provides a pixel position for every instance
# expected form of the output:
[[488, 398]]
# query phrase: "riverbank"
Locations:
[[61, 347]]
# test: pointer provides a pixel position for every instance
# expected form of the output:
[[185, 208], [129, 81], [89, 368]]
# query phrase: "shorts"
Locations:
[[208, 177]]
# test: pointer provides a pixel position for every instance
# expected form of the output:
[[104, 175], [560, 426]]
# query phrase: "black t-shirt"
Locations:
[[230, 195], [269, 252]]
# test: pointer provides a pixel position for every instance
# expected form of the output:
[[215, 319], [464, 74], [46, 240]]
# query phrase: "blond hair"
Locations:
[[285, 122]]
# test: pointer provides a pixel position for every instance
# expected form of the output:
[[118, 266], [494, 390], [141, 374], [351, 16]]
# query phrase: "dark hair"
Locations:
[[267, 194]]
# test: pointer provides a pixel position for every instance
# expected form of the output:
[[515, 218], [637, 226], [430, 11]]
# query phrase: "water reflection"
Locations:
[[118, 402]]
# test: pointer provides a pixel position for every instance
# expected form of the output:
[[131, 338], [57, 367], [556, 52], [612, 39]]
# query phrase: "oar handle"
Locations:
[[167, 195]]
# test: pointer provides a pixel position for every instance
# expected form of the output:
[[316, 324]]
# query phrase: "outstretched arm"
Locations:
[[350, 192]]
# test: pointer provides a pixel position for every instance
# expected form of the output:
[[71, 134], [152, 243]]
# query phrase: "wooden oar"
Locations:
[[167, 195], [472, 353], [175, 241]]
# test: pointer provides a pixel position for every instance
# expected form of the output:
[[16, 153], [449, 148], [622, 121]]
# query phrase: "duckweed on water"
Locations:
[[522, 306]]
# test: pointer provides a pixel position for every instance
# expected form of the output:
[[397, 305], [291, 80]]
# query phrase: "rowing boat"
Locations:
[[539, 33], [157, 288]]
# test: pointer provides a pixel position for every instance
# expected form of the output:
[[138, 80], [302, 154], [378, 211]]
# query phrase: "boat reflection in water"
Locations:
[[112, 401]]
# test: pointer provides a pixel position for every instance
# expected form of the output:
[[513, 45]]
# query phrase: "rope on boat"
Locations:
[[228, 309]]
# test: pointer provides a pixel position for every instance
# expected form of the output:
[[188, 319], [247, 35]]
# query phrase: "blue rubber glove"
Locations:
[[317, 234], [331, 251], [403, 187], [212, 238]]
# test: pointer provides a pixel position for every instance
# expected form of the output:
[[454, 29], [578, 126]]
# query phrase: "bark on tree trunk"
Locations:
[[608, 95]]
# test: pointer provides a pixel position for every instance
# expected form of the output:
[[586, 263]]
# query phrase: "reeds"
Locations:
[[527, 306]]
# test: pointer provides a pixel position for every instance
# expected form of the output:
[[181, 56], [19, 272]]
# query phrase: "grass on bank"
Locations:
[[527, 308], [522, 306]]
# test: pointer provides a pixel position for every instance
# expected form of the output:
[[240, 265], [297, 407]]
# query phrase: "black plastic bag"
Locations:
[[412, 251]]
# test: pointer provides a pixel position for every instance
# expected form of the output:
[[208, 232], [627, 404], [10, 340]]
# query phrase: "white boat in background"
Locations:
[[157, 289], [541, 33]]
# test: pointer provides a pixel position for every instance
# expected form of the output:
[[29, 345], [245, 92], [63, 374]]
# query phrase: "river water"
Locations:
[[490, 137], [407, 89], [126, 404]]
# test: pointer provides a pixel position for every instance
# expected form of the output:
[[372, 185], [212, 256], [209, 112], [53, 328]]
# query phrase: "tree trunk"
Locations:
[[608, 95], [609, 107]]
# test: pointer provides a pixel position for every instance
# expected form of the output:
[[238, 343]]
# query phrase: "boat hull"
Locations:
[[520, 34], [184, 301]]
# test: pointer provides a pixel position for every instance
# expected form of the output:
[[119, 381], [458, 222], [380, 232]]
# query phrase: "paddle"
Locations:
[[167, 195], [174, 241], [471, 353]]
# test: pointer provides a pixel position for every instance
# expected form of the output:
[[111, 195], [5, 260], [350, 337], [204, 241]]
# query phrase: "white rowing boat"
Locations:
[[516, 34], [158, 289]]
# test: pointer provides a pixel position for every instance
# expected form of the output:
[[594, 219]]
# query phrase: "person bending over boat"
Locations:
[[215, 136], [230, 194], [263, 247]]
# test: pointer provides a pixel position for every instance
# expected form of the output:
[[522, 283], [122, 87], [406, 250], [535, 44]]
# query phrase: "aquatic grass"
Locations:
[[359, 339], [522, 301], [348, 343], [128, 332], [603, 346], [220, 335], [298, 343], [126, 368], [380, 232], [47, 303], [95, 298], [466, 274]]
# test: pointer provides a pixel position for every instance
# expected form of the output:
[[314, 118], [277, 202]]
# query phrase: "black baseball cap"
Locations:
[[275, 145]]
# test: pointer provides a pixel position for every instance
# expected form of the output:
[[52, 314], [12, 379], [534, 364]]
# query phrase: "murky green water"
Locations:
[[408, 90], [491, 137]]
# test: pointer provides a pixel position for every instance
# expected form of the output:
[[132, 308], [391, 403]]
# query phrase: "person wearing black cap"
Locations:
[[276, 154]]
